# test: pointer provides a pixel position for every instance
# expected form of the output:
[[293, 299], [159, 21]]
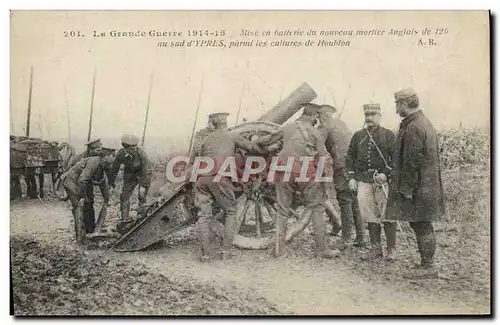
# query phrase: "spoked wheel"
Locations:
[[256, 215]]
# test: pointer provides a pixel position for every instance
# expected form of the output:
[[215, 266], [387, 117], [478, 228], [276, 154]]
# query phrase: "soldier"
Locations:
[[15, 187], [218, 145], [83, 154], [201, 135], [416, 193], [76, 158], [137, 172], [79, 182], [368, 166], [337, 138], [300, 139]]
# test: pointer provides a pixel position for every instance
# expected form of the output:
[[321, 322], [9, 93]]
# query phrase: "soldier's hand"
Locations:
[[143, 191], [380, 178], [406, 196], [262, 150], [353, 186], [80, 202]]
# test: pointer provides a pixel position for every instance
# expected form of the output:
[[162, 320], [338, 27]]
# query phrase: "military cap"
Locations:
[[93, 144], [108, 151], [130, 139], [327, 109], [310, 108], [404, 94], [218, 116], [371, 108]]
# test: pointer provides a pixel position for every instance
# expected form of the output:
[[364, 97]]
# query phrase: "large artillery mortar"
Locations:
[[255, 225]]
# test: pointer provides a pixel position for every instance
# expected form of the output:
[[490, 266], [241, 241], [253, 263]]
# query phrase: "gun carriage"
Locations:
[[256, 207]]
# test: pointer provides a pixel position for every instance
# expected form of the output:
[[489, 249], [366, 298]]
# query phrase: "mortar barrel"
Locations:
[[290, 105]]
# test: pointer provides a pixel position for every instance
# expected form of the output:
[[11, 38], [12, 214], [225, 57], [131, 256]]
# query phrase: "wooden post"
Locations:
[[195, 118], [345, 100], [67, 113], [29, 104], [147, 111], [239, 107], [91, 106]]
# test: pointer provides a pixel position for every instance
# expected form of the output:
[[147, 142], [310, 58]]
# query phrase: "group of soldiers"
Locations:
[[99, 166], [380, 178]]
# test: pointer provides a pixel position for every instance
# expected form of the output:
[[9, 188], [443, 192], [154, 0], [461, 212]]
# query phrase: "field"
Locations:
[[52, 276]]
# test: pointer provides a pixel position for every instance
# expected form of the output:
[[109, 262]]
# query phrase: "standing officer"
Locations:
[[218, 145], [79, 182], [337, 138], [300, 139], [137, 172], [368, 165], [417, 192]]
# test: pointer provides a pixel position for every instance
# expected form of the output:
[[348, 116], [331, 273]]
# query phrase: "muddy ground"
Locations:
[[52, 276]]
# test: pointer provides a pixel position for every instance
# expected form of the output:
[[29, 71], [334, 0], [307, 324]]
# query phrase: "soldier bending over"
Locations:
[[137, 172], [300, 139], [79, 182], [218, 145]]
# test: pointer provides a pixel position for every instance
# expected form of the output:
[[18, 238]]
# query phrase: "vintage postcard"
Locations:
[[250, 162]]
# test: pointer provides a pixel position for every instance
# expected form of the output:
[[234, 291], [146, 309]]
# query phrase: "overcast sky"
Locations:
[[452, 78]]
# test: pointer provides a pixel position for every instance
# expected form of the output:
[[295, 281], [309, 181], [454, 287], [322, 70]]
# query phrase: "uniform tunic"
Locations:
[[78, 182], [337, 138], [137, 167], [199, 138], [363, 157], [300, 139], [362, 160]]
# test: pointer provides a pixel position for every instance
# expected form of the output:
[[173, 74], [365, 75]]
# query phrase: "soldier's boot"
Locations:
[[79, 221], [320, 237], [280, 230], [126, 221], [375, 251], [390, 234], [16, 192], [203, 231], [89, 216], [347, 242], [31, 187], [426, 241], [41, 181], [360, 240], [428, 269], [336, 228], [335, 222], [230, 225], [141, 209]]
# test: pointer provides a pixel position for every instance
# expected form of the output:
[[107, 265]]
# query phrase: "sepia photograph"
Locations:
[[250, 163]]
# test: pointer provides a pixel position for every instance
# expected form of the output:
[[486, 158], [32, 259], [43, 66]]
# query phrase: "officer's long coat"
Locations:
[[417, 172]]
